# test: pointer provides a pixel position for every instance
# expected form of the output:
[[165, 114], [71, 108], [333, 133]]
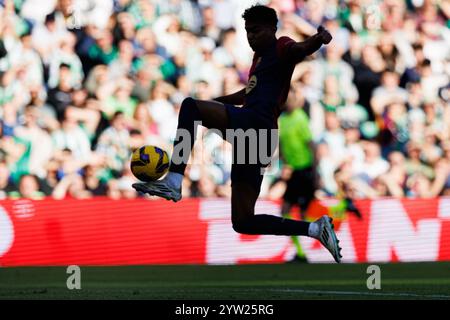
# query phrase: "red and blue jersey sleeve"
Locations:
[[283, 45]]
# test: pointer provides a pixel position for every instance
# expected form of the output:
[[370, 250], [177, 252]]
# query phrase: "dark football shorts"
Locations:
[[249, 172]]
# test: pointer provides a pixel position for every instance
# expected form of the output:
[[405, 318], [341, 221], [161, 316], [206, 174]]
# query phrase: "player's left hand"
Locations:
[[324, 34]]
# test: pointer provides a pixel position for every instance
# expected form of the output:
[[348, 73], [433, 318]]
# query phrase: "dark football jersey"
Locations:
[[269, 81]]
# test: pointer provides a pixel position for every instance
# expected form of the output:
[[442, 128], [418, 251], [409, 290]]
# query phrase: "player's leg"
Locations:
[[243, 200], [300, 256], [290, 194], [289, 199], [211, 114], [307, 190]]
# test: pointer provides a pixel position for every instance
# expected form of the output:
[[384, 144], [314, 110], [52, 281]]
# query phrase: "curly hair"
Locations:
[[261, 14]]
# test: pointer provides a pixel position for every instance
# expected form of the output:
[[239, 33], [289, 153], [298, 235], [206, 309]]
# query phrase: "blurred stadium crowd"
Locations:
[[84, 82]]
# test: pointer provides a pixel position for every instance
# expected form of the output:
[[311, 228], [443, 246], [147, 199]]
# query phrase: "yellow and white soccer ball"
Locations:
[[149, 163]]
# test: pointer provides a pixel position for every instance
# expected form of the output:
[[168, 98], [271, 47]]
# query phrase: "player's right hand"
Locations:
[[324, 34]]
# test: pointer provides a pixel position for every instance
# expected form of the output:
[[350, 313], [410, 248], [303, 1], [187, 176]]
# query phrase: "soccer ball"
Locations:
[[149, 163]]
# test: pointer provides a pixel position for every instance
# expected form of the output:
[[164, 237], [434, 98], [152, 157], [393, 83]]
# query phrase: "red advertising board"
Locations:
[[101, 231]]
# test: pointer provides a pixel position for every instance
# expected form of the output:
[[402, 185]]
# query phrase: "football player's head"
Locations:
[[261, 26]]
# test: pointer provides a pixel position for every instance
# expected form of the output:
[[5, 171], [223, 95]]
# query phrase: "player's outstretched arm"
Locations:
[[236, 98], [305, 48]]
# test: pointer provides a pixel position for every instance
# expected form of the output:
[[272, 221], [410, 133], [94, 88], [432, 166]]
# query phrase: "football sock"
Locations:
[[313, 230], [187, 118], [174, 179], [268, 224]]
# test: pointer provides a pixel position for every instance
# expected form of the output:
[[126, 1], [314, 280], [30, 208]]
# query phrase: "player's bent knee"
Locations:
[[238, 228], [241, 226]]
